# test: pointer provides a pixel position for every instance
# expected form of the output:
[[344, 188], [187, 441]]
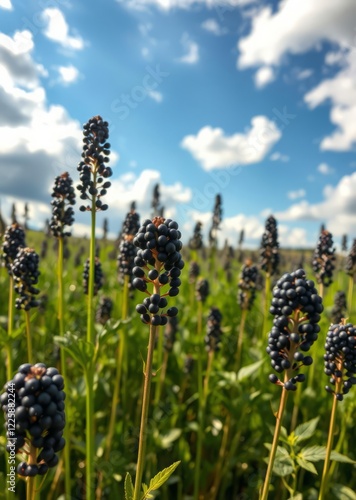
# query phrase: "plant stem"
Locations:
[[240, 337], [201, 405], [266, 303], [144, 414], [66, 433], [321, 290], [217, 477], [31, 481], [350, 294], [277, 430], [207, 374], [10, 325], [161, 378], [28, 336], [325, 476], [89, 372]]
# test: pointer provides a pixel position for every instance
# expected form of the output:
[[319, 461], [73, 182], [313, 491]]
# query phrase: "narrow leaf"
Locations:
[[338, 457], [249, 370], [313, 453], [306, 430], [129, 489], [309, 466], [159, 479], [342, 492]]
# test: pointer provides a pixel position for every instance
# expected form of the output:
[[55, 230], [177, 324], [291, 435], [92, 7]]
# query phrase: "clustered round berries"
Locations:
[[350, 266], [247, 285], [14, 239], [296, 306], [212, 338], [131, 223], [202, 290], [170, 333], [217, 217], [340, 307], [25, 272], [35, 397], [269, 250], [126, 257], [196, 241], [62, 212], [103, 313], [323, 259], [93, 169], [159, 257], [98, 276], [340, 358], [194, 271]]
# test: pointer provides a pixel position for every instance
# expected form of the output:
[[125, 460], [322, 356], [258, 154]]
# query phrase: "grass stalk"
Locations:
[[28, 337], [240, 338], [266, 304], [10, 325], [201, 405], [350, 294]]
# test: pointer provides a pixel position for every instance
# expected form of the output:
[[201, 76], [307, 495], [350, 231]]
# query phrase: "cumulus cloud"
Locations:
[[182, 4], [57, 29], [213, 149], [68, 74], [191, 49], [337, 209], [212, 26], [325, 169], [6, 4], [299, 193], [263, 76], [277, 156], [155, 95]]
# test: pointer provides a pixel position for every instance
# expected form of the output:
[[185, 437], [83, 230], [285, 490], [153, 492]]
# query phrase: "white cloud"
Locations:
[[155, 95], [212, 26], [305, 73], [213, 149], [183, 4], [325, 169], [263, 76], [337, 209], [57, 29], [6, 4], [191, 48], [68, 74], [277, 156], [294, 195]]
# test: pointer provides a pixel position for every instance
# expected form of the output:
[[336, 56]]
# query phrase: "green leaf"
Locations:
[[249, 370], [129, 489], [317, 453], [159, 479], [309, 466], [342, 492], [338, 457], [79, 349], [306, 430], [283, 464]]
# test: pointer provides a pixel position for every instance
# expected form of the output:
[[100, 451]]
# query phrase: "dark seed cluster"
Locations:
[[36, 396], [217, 217], [247, 285], [98, 276], [196, 241], [62, 212], [126, 257], [351, 260], [103, 313], [14, 239], [93, 168], [25, 272], [202, 290], [323, 259], [158, 262], [131, 223], [194, 271], [269, 250], [296, 306], [213, 330], [340, 358], [339, 308]]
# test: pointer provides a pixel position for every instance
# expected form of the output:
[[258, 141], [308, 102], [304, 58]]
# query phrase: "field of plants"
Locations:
[[161, 350]]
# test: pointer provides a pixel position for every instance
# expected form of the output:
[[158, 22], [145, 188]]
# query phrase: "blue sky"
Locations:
[[253, 100]]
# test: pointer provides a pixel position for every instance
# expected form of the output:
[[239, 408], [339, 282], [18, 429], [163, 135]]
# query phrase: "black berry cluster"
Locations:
[[170, 333], [194, 271], [344, 243], [98, 276], [158, 262], [35, 398], [296, 306], [340, 358], [14, 239], [202, 290], [131, 223], [213, 330], [323, 259], [103, 313], [196, 241], [339, 308], [93, 168], [269, 250], [247, 285], [156, 195], [25, 272], [62, 212], [350, 266], [217, 217], [126, 257]]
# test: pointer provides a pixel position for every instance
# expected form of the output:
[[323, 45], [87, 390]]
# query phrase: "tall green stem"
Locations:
[[144, 414], [10, 325], [325, 477], [201, 405], [266, 304], [31, 493], [277, 431], [350, 294], [240, 337], [28, 336], [66, 432], [89, 375]]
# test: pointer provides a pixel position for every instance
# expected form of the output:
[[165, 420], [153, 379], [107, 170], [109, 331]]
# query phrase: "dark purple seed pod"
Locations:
[[247, 285], [25, 273], [14, 239], [269, 248], [323, 259], [63, 195]]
